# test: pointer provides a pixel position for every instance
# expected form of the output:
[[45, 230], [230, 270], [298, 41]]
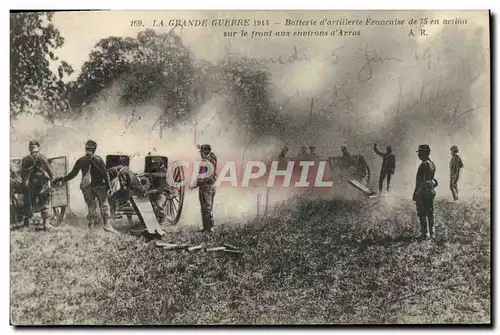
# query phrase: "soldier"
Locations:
[[123, 182], [95, 184], [36, 176], [207, 187], [424, 191], [303, 155], [388, 166], [16, 185], [313, 171], [282, 159], [312, 154], [158, 186], [455, 166]]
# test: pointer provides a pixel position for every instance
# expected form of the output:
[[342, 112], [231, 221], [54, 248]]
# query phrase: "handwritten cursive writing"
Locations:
[[366, 71]]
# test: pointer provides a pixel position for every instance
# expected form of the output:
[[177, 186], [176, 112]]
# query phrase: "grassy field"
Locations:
[[330, 262]]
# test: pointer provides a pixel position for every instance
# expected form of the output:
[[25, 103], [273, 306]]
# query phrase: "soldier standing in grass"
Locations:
[[424, 192], [206, 187], [455, 166], [388, 166], [95, 184], [36, 175]]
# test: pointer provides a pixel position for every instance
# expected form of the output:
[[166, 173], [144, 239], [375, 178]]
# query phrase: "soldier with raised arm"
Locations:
[[388, 166], [36, 175], [424, 192], [95, 185]]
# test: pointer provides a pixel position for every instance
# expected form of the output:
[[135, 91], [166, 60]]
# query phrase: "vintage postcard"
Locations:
[[250, 167]]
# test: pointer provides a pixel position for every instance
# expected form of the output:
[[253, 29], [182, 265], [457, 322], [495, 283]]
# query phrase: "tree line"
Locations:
[[149, 67]]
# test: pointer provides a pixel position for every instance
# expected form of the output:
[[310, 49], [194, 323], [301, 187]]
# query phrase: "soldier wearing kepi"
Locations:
[[388, 166], [36, 176], [158, 186], [424, 192], [205, 182], [95, 185], [455, 165]]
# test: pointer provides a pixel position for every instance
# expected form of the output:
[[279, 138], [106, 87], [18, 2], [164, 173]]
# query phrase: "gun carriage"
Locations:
[[126, 202], [59, 194]]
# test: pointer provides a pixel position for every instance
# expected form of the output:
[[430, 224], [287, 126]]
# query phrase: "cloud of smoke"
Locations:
[[377, 88], [137, 131], [390, 90]]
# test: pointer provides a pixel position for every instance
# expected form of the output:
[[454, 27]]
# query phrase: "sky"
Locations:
[[82, 30]]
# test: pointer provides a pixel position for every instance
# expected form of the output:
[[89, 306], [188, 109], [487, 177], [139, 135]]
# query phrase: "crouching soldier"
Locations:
[[206, 184], [123, 183], [158, 177], [36, 176], [95, 185], [424, 192]]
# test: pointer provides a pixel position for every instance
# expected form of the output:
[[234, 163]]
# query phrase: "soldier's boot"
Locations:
[[47, 225], [108, 227], [423, 228], [26, 221], [431, 225]]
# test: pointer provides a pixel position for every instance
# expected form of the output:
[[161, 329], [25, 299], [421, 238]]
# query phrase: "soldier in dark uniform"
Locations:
[[424, 192], [388, 166], [455, 165], [206, 187], [95, 184], [36, 175], [159, 185]]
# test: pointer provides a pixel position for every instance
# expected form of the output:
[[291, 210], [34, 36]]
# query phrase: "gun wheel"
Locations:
[[175, 197]]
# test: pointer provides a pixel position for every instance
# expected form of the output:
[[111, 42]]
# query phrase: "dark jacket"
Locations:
[[455, 165], [98, 172], [425, 175], [388, 162], [35, 167]]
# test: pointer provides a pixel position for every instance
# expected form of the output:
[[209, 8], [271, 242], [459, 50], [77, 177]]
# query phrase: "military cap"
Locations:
[[424, 147], [454, 148], [91, 145], [206, 147], [34, 142]]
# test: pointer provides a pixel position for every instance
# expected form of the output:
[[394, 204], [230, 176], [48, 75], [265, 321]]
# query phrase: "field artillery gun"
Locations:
[[129, 203], [354, 169]]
